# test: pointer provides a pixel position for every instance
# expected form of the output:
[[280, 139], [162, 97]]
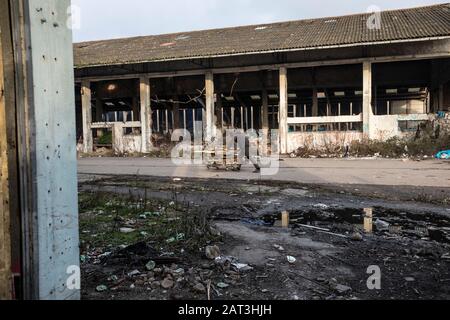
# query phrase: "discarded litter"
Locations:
[[101, 288], [278, 247], [321, 206], [212, 252], [127, 230], [381, 225], [134, 273], [443, 155], [150, 265], [223, 285], [167, 283], [343, 289], [291, 259], [357, 236], [178, 237], [242, 267]]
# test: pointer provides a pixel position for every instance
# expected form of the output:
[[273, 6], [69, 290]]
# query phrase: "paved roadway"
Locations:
[[430, 173]]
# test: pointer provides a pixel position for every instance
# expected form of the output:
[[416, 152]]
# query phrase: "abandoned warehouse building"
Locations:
[[331, 79]]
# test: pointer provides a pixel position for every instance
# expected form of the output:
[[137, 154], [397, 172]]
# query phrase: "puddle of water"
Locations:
[[378, 220]]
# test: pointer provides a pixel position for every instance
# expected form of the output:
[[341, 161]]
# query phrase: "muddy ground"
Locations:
[[149, 238]]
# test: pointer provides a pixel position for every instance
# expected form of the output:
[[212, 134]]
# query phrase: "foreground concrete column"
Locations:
[[209, 114], [367, 97], [48, 163], [146, 114], [86, 107], [283, 112]]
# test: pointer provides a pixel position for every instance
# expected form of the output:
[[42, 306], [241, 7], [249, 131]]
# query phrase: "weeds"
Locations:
[[170, 224]]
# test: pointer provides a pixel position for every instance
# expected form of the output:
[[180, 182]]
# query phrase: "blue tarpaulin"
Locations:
[[443, 155]]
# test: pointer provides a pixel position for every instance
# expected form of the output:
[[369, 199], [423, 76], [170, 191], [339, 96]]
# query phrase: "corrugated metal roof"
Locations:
[[397, 25]]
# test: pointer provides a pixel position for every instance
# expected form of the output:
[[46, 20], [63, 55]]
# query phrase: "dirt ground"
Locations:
[[171, 238]]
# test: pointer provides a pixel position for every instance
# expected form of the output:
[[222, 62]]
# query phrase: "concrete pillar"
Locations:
[[283, 112], [265, 110], [219, 114], [86, 107], [146, 114], [5, 213], [209, 112], [315, 103], [98, 110], [47, 162], [176, 113], [135, 108], [367, 97], [99, 114]]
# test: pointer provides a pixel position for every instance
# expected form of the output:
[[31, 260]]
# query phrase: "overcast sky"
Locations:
[[106, 19]]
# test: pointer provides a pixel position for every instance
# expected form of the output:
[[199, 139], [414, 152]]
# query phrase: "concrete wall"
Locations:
[[321, 139], [384, 127], [125, 143]]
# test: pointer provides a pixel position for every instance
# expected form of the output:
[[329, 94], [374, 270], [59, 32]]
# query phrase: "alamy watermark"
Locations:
[[374, 21], [374, 281]]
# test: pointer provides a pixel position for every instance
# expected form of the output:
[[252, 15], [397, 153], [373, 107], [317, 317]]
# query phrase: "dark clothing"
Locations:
[[251, 158]]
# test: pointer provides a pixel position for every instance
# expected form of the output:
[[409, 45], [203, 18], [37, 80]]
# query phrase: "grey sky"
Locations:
[[106, 19]]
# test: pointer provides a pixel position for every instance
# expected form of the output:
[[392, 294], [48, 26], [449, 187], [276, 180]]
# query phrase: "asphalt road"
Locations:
[[430, 173]]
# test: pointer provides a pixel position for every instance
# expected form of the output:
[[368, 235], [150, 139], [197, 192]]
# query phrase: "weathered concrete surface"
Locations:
[[431, 173]]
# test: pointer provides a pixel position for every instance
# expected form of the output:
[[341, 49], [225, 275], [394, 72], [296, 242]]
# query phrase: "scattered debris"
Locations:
[[212, 252], [278, 247], [357, 236], [199, 288], [285, 219], [101, 288], [242, 267], [414, 242], [222, 285], [342, 289], [291, 259], [381, 225], [127, 230], [134, 273], [443, 155], [167, 283], [150, 265]]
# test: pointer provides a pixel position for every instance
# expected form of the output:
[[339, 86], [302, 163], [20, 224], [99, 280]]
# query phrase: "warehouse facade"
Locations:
[[328, 80]]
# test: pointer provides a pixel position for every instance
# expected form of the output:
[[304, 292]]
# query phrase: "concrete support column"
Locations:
[[441, 98], [283, 112], [219, 114], [146, 114], [265, 110], [367, 97], [176, 113], [209, 112], [99, 114], [135, 108], [315, 104], [86, 107]]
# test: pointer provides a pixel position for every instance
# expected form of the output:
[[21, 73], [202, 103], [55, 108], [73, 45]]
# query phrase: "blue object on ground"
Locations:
[[441, 114], [445, 155]]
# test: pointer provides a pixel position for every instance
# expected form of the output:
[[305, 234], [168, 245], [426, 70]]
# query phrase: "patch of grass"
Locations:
[[168, 224], [106, 138]]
